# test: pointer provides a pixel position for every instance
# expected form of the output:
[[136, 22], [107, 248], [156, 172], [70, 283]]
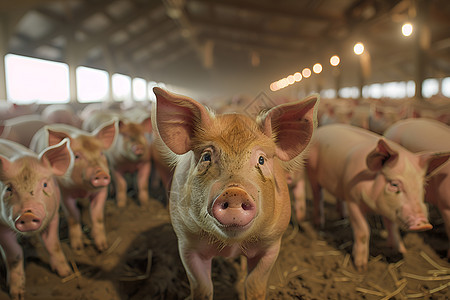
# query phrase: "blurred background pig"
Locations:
[[418, 135], [30, 200], [370, 174], [229, 194], [21, 129], [88, 178], [129, 154]]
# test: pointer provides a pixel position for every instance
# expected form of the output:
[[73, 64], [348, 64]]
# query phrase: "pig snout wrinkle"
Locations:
[[234, 208], [100, 179], [28, 222]]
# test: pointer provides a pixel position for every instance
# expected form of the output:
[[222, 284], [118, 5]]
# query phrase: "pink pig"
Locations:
[[229, 194], [89, 176], [130, 153], [370, 174], [30, 200], [419, 135], [21, 129]]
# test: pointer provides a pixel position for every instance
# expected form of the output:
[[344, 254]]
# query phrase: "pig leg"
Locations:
[[361, 236], [50, 238], [142, 181], [97, 207], [299, 200], [73, 221], [316, 189], [259, 268], [121, 188], [394, 238], [198, 269], [13, 254]]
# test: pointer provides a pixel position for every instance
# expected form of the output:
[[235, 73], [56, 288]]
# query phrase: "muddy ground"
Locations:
[[143, 263]]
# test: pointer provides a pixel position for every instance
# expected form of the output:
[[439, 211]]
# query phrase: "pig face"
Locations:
[[233, 186], [90, 170], [29, 192], [133, 140], [399, 184]]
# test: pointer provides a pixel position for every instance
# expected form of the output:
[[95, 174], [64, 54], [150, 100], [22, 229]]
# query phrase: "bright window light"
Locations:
[[430, 87], [121, 87], [410, 88], [329, 93], [92, 85], [35, 80], [349, 92], [139, 89], [394, 89], [446, 87]]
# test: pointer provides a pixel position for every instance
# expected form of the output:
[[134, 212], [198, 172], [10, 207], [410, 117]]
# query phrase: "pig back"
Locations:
[[420, 134], [12, 150]]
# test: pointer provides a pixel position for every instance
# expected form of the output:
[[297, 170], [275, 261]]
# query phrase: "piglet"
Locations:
[[89, 176], [130, 153], [30, 200], [229, 194], [371, 174], [418, 135]]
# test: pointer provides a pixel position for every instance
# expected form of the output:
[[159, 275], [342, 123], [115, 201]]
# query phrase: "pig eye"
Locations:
[[394, 187], [45, 184], [9, 188], [206, 157], [261, 160]]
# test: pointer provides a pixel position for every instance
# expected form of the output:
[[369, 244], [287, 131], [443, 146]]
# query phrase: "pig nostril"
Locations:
[[225, 205], [246, 206]]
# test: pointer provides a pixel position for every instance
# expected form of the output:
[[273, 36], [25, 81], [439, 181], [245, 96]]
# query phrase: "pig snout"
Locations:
[[100, 179], [419, 224], [28, 222], [234, 208], [138, 150]]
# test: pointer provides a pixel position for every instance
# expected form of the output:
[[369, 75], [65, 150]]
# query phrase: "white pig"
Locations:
[[419, 135], [130, 152], [88, 178], [29, 205], [229, 194], [371, 174]]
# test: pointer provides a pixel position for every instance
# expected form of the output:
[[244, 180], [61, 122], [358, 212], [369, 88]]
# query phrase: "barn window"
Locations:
[[31, 80], [92, 85]]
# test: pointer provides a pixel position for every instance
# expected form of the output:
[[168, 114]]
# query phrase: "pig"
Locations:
[[229, 194], [30, 200], [130, 153], [371, 174], [418, 135], [89, 177], [21, 129], [61, 114]]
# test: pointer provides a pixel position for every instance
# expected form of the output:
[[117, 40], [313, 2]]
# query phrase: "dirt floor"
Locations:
[[143, 263]]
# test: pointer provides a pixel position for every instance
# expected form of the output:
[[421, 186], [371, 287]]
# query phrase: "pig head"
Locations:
[[229, 193]]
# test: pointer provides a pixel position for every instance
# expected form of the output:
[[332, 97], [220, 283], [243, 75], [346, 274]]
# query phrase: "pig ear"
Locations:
[[55, 137], [432, 162], [147, 124], [57, 157], [178, 118], [380, 155], [291, 125], [5, 165], [106, 133]]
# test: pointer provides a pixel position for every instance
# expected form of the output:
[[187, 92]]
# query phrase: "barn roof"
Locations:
[[233, 45]]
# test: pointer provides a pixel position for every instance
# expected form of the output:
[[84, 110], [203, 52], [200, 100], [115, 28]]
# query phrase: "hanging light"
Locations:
[[407, 29], [335, 60], [358, 48]]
